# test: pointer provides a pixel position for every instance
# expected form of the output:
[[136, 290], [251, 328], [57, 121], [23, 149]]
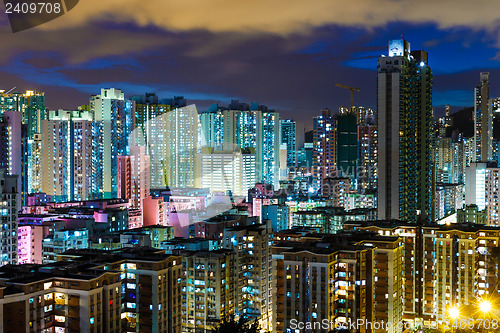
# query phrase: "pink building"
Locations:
[[30, 239], [153, 211], [134, 176]]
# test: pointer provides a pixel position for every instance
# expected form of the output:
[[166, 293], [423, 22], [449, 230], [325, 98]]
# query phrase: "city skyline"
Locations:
[[187, 167], [208, 62]]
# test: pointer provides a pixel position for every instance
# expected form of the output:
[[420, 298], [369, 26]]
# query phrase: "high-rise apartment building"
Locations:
[[222, 171], [405, 177], [112, 124], [347, 144], [288, 137], [66, 155], [153, 127], [483, 120], [172, 146], [8, 207], [241, 125], [209, 289], [252, 246], [14, 151], [338, 280], [134, 176], [127, 290], [444, 266], [51, 299], [324, 153], [475, 185], [30, 106], [367, 150], [492, 196]]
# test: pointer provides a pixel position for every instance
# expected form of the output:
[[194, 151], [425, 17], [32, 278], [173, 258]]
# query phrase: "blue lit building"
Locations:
[[288, 137], [241, 125], [112, 125], [278, 215]]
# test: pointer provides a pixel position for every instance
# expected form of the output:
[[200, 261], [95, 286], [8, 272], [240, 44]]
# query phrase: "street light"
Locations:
[[453, 313], [485, 307]]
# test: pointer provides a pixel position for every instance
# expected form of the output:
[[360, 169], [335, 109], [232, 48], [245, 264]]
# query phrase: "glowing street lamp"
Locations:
[[485, 306], [453, 313]]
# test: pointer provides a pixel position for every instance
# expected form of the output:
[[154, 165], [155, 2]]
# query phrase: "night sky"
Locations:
[[284, 54]]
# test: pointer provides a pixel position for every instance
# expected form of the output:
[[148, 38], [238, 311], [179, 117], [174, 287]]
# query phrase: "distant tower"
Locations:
[[404, 128], [288, 136], [447, 116], [483, 120], [347, 143], [324, 143]]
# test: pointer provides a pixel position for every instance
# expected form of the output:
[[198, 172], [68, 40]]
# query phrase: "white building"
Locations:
[[475, 185], [222, 171]]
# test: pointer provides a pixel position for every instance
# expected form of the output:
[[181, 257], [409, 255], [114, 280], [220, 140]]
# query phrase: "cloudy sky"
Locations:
[[287, 54]]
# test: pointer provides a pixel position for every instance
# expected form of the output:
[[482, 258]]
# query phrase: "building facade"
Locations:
[[405, 178]]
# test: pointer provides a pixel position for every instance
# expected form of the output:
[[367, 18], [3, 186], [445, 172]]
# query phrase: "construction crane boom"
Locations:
[[351, 90]]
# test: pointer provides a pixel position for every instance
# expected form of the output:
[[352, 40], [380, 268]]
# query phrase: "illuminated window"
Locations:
[[60, 319]]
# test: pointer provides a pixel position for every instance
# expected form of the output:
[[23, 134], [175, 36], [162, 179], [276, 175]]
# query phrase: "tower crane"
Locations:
[[351, 90]]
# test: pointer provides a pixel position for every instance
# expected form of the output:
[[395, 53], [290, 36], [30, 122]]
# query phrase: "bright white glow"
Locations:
[[311, 190], [422, 64], [485, 306], [454, 312]]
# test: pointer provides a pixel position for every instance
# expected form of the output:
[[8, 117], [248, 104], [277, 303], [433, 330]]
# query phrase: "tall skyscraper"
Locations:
[[367, 149], [31, 104], [288, 136], [112, 125], [8, 207], [347, 143], [404, 128], [31, 107], [324, 153], [483, 120], [13, 151], [82, 155]]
